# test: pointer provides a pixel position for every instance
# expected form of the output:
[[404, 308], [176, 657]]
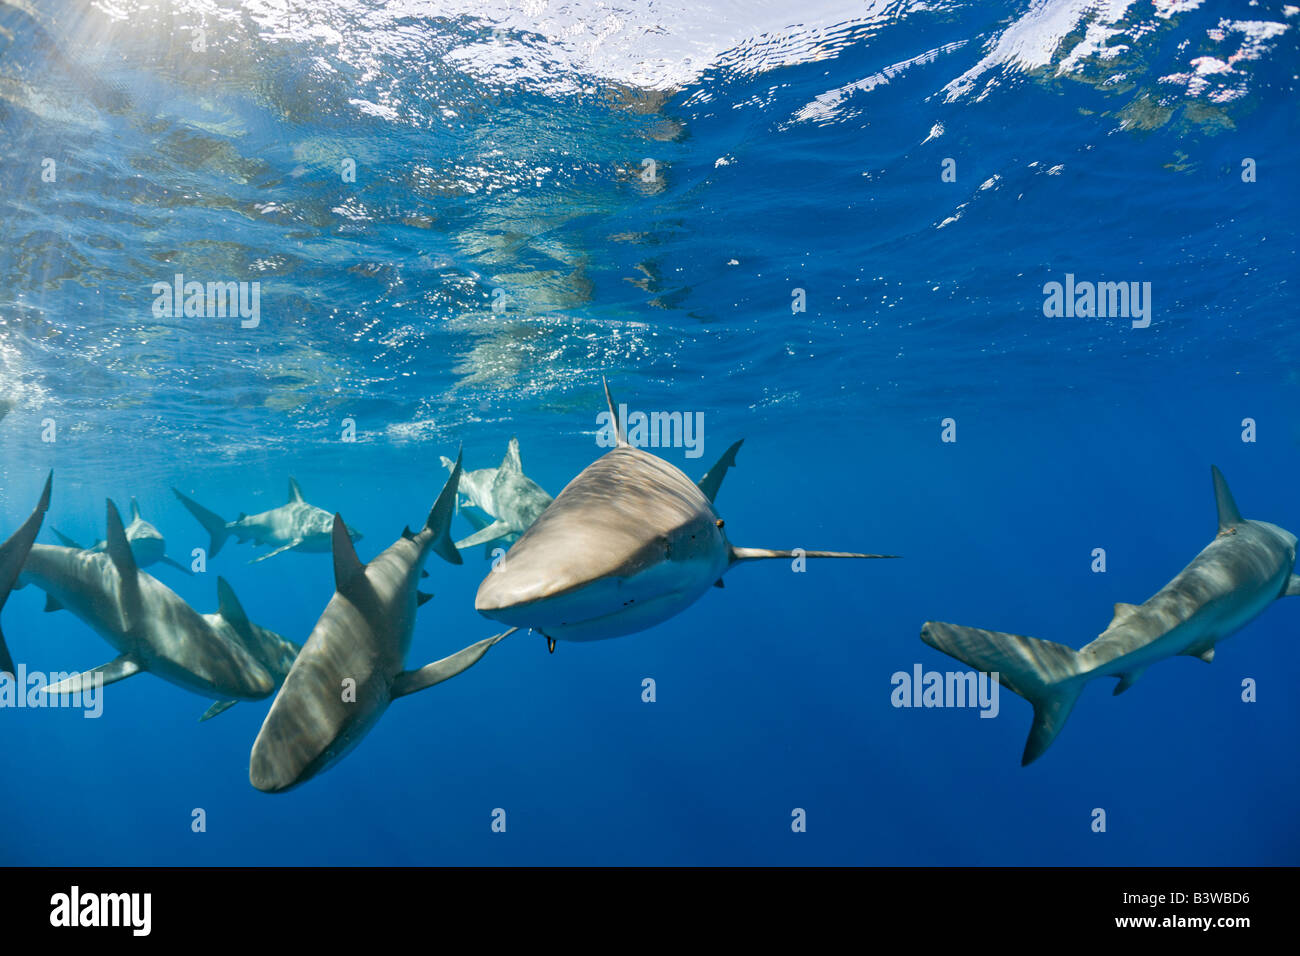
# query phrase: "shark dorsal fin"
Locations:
[[1228, 513], [512, 462], [712, 479], [228, 606], [118, 548], [619, 434], [1122, 612], [135, 510], [295, 493], [128, 572], [347, 566]]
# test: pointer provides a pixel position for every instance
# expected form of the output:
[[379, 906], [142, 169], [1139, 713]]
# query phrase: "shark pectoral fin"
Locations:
[[1127, 680], [759, 554], [408, 682], [471, 514], [1292, 586], [220, 707], [171, 563], [497, 529], [52, 603], [119, 668], [712, 479], [280, 550]]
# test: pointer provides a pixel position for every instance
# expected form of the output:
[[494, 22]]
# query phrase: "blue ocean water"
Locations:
[[547, 195]]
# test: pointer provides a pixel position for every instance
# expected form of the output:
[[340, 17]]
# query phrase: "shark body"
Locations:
[[151, 627], [630, 542], [1247, 566], [147, 542], [295, 525], [512, 499], [353, 663]]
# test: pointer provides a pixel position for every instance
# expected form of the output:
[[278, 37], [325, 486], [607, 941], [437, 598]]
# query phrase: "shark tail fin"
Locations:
[[13, 555], [213, 523], [620, 434], [439, 520], [1046, 674]]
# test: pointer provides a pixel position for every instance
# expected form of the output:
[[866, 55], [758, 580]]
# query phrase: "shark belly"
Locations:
[[1225, 588], [613, 606]]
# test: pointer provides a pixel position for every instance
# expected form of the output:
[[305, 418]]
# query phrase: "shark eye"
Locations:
[[720, 522]]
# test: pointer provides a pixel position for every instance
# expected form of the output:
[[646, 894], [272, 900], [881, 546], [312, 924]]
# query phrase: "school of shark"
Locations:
[[629, 543]]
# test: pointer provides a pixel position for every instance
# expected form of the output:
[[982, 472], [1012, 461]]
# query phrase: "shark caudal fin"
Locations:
[[760, 554], [1042, 672], [13, 555], [440, 515], [213, 523], [712, 479]]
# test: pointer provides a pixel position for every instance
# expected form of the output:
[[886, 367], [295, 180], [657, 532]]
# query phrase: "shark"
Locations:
[[512, 499], [352, 666], [627, 544], [293, 526], [268, 648], [1247, 566], [147, 543], [13, 555], [151, 626]]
